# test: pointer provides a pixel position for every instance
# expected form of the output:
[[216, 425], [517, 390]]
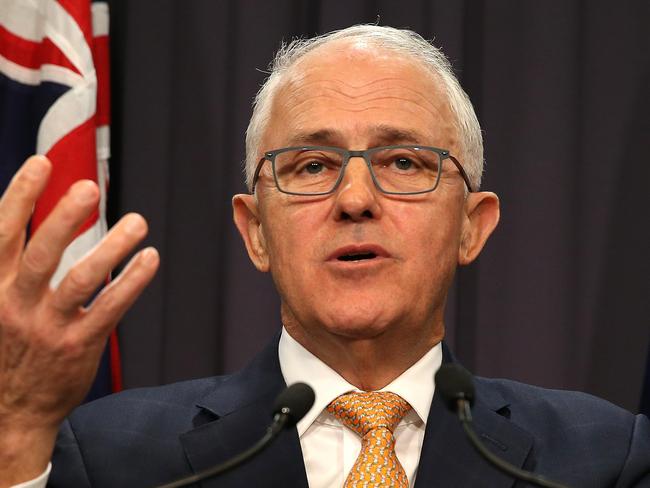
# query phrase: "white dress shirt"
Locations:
[[329, 448]]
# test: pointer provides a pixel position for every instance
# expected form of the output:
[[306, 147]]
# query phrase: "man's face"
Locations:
[[351, 97]]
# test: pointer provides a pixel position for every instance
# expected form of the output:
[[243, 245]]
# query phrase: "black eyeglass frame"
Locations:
[[346, 155]]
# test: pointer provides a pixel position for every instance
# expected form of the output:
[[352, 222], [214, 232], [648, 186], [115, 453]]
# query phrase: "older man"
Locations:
[[364, 157]]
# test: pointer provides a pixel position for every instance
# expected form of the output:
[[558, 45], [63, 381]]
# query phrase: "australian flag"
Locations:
[[54, 100]]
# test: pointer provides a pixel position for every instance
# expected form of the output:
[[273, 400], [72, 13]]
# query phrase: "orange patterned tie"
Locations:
[[374, 416]]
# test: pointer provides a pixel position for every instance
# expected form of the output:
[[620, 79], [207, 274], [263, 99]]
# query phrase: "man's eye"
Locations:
[[403, 164], [314, 167]]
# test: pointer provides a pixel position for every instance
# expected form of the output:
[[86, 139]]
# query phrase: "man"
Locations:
[[364, 158]]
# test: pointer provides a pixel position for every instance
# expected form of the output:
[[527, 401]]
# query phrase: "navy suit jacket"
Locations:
[[145, 437]]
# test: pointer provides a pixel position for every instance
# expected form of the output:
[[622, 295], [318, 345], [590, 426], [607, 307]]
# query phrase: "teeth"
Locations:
[[357, 257]]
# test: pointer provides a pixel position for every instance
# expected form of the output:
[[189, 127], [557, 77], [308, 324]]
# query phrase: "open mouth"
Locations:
[[358, 253], [361, 256]]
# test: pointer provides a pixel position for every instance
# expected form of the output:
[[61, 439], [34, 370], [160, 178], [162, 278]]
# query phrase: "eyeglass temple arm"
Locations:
[[256, 175], [462, 173]]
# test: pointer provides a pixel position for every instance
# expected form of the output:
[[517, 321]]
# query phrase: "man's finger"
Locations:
[[17, 203], [114, 300], [44, 250], [91, 272]]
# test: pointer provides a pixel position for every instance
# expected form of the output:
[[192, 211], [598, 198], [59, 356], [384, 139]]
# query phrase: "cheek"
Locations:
[[431, 237], [285, 256], [293, 235]]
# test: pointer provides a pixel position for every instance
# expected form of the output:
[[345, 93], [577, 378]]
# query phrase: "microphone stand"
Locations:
[[279, 422], [465, 417]]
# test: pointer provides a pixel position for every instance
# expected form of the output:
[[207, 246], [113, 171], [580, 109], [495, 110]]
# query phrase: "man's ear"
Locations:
[[481, 217], [246, 216]]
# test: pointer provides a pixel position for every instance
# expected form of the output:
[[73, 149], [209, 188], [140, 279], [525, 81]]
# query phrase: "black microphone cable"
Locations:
[[290, 406], [457, 390]]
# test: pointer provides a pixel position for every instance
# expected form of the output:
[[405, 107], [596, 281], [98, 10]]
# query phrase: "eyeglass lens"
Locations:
[[401, 170]]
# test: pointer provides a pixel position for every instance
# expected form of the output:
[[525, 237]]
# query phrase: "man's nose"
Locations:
[[356, 196]]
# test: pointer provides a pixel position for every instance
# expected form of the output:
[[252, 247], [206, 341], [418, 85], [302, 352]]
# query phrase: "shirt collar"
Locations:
[[415, 385]]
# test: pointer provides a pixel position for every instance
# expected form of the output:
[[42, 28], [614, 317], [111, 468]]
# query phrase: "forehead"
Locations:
[[356, 93]]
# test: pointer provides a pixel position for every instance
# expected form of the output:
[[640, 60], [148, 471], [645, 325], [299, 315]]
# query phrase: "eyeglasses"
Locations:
[[395, 170]]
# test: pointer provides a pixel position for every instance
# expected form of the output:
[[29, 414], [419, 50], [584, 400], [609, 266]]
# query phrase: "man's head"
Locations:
[[359, 265], [398, 42]]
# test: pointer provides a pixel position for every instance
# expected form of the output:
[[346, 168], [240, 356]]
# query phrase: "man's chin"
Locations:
[[358, 328], [353, 320]]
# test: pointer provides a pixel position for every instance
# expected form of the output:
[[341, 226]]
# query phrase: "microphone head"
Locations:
[[294, 402], [454, 383]]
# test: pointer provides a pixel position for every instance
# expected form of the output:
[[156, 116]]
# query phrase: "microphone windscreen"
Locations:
[[294, 401], [454, 382]]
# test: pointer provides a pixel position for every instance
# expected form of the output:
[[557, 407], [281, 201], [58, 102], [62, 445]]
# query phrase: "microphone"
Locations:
[[290, 406], [457, 390]]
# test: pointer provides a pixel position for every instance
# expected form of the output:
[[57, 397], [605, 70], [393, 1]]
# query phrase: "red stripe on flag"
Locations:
[[101, 59], [73, 158], [80, 12], [30, 54]]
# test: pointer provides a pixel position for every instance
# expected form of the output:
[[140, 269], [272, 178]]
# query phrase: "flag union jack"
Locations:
[[54, 100]]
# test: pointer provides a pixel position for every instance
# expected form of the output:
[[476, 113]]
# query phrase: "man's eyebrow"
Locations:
[[386, 135], [323, 137], [381, 135]]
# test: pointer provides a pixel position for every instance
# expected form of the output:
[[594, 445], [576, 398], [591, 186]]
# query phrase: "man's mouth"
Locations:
[[357, 256], [358, 253]]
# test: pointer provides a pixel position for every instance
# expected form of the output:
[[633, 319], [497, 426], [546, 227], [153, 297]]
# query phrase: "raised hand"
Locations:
[[50, 341]]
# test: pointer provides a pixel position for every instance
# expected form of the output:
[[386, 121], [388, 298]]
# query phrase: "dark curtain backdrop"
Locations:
[[560, 296]]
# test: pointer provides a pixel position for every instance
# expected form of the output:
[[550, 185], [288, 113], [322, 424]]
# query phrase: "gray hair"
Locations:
[[401, 41]]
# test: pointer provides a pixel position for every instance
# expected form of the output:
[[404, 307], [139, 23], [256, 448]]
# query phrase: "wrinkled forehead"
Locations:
[[364, 83]]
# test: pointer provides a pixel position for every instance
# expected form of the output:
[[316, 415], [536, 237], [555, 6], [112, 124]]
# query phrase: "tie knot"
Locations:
[[366, 411]]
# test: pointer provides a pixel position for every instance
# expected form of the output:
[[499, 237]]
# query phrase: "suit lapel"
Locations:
[[233, 417], [448, 459]]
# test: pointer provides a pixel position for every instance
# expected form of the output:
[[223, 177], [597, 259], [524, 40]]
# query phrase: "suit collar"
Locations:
[[260, 378], [236, 415], [448, 459]]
